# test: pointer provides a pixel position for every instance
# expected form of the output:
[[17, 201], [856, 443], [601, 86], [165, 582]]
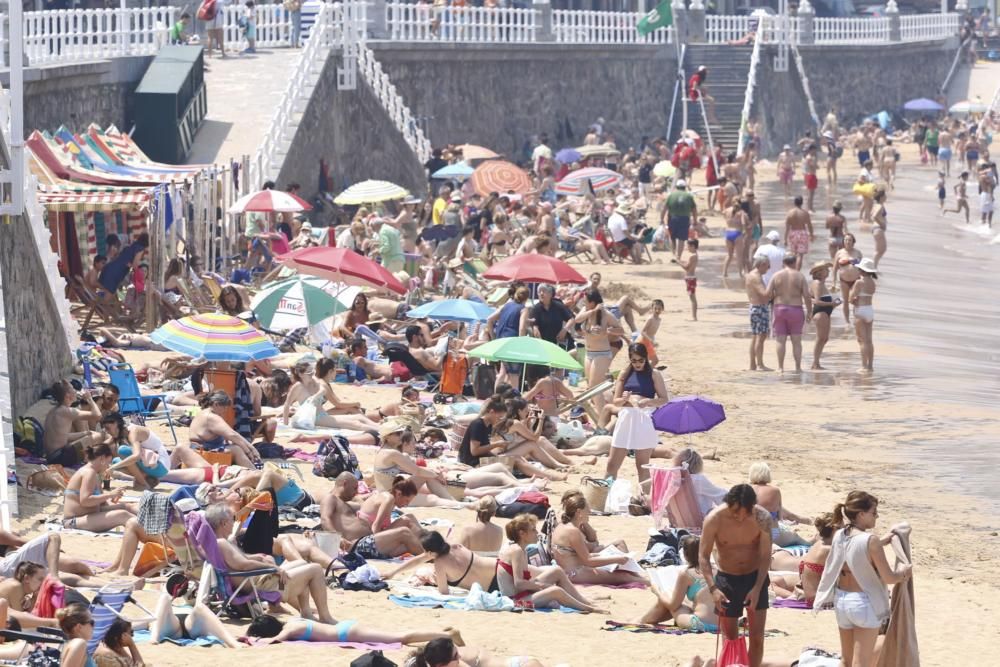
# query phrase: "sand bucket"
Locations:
[[595, 491], [328, 542]]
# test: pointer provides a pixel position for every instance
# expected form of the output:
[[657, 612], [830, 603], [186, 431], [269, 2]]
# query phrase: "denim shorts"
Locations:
[[854, 610]]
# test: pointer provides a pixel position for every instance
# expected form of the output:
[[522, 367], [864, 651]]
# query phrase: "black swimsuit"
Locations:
[[823, 307], [472, 560]]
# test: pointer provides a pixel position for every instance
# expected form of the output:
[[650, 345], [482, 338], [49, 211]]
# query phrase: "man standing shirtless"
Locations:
[[863, 145], [786, 169], [790, 291], [798, 232], [760, 311], [944, 150], [809, 168], [740, 533]]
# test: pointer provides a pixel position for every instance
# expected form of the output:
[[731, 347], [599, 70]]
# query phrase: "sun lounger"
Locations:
[[584, 400]]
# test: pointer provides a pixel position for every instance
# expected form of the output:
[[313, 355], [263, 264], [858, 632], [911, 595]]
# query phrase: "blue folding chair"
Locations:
[[107, 606], [131, 401]]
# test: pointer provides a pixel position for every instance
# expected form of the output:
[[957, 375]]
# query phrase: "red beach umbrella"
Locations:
[[270, 201], [343, 266], [534, 269]]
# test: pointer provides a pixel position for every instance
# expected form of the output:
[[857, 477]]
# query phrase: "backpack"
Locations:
[[484, 377], [333, 457], [453, 372], [208, 10]]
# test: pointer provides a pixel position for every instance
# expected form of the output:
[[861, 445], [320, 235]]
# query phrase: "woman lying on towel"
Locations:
[[446, 653], [699, 615], [545, 587], [85, 507], [187, 623], [573, 548], [270, 630]]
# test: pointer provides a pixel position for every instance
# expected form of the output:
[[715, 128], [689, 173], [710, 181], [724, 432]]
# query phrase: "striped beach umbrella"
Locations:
[[598, 151], [500, 176], [371, 192], [270, 201], [588, 179], [297, 302], [215, 337]]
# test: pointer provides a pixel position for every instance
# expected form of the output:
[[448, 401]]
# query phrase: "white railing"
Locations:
[[274, 25], [308, 69], [85, 34], [928, 27], [393, 103], [748, 97], [721, 29], [590, 27], [851, 30], [424, 23]]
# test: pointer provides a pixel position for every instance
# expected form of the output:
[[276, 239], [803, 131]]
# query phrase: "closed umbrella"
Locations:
[[534, 269], [500, 176], [457, 172], [370, 192], [297, 302], [568, 156], [922, 104], [215, 337], [473, 152], [526, 350], [462, 310], [342, 266], [688, 414], [589, 179], [270, 201]]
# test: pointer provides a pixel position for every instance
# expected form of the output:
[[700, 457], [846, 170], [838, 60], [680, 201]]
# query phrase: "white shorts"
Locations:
[[32, 552], [634, 430], [854, 610], [985, 202]]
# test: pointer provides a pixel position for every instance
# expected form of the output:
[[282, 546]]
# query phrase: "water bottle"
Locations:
[[574, 378], [352, 372]]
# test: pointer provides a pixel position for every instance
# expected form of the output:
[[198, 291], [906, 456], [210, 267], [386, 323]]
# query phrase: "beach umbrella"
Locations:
[[664, 169], [688, 414], [500, 176], [473, 152], [597, 151], [526, 350], [922, 104], [341, 265], [297, 302], [588, 179], [215, 337], [270, 201], [968, 106], [534, 269], [462, 310], [371, 192], [457, 172], [568, 156]]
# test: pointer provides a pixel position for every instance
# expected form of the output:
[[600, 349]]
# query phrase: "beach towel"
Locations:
[[789, 603], [653, 628], [144, 637], [899, 648], [673, 496]]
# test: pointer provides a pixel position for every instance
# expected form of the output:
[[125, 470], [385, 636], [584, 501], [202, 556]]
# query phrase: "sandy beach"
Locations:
[[824, 434]]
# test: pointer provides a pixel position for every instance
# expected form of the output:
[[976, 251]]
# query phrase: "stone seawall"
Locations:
[[853, 81], [500, 96], [354, 134]]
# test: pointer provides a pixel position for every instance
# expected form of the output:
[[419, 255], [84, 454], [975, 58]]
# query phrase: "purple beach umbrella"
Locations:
[[568, 156], [688, 414]]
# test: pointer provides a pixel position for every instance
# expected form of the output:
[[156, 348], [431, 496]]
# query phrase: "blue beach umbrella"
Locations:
[[568, 156], [458, 172], [462, 310], [922, 104]]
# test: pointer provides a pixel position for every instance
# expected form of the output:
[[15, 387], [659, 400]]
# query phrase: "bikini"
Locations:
[[509, 569], [697, 624], [216, 444], [370, 520], [472, 559], [866, 312]]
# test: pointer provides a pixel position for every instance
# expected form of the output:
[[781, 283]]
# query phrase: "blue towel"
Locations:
[[144, 636], [453, 602]]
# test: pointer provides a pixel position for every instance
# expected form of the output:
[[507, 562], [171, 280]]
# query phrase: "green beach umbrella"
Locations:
[[526, 350], [296, 302]]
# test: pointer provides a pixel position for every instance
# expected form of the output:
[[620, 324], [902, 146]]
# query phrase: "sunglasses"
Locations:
[[637, 360]]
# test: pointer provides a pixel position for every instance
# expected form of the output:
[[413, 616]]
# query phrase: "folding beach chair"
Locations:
[[34, 641], [216, 589], [583, 400], [107, 606], [131, 401], [647, 240], [400, 353], [89, 300], [672, 495]]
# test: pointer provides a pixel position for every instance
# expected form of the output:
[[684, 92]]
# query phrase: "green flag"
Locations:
[[658, 18]]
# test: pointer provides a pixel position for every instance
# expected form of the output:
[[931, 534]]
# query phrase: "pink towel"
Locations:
[[666, 482]]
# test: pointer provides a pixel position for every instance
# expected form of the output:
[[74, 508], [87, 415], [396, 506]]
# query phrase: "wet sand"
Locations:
[[824, 434]]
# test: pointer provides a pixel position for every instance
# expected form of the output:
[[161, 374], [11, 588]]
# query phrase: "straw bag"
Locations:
[[596, 492]]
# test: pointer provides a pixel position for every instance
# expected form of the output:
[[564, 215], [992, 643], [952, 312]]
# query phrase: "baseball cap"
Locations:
[[681, 183], [773, 235]]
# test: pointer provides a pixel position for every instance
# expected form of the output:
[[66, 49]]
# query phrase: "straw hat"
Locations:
[[390, 426], [819, 266], [623, 209]]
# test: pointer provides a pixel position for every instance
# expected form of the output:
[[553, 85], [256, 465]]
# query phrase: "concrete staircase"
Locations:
[[728, 68]]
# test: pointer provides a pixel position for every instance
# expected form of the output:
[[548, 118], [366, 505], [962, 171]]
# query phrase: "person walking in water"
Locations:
[[790, 293], [862, 293], [760, 311]]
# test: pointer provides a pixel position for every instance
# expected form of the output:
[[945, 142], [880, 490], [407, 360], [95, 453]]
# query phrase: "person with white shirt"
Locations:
[[620, 234], [775, 254]]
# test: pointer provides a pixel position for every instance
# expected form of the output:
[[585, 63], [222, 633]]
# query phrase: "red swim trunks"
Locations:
[[691, 284], [788, 320], [400, 371], [811, 181]]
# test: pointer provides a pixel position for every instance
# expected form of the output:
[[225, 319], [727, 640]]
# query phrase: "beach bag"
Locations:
[[333, 457], [453, 372], [734, 653], [42, 656], [595, 491], [814, 657], [484, 377], [208, 10], [153, 557], [572, 430], [372, 659]]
